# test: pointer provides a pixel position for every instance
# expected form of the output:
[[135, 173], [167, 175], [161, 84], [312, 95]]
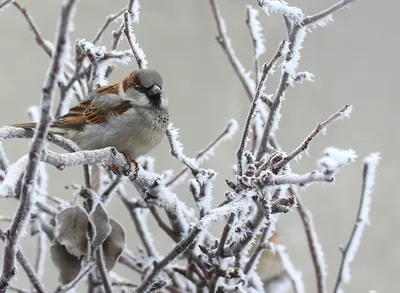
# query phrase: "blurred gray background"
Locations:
[[353, 61]]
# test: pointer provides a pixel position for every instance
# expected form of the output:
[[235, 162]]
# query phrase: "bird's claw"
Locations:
[[126, 171]]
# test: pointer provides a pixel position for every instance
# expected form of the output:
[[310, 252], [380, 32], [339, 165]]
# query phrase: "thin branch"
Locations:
[[27, 192], [118, 34], [343, 112], [179, 249], [257, 251], [33, 278], [84, 271], [249, 118], [109, 19], [225, 235], [41, 252], [103, 271], [225, 42], [317, 17], [106, 193], [279, 95], [142, 229], [202, 155], [313, 243], [131, 38], [349, 252], [5, 3], [293, 274], [38, 36], [260, 88], [268, 178]]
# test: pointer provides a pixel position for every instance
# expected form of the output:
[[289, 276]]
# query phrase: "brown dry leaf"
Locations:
[[101, 224], [72, 227], [68, 265], [114, 245]]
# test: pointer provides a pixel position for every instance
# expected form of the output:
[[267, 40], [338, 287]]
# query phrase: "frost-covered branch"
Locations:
[[225, 42], [349, 252], [294, 275], [208, 151], [130, 36], [345, 111], [26, 198], [312, 19], [109, 19], [314, 245], [33, 278]]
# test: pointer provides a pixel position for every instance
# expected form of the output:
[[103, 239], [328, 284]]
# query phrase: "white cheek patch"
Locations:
[[137, 98]]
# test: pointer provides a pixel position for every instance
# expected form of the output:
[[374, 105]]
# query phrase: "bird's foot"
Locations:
[[126, 171]]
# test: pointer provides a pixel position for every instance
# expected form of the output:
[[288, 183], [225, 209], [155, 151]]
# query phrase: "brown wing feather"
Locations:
[[86, 111]]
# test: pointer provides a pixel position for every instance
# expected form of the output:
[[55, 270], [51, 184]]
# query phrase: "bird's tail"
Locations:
[[53, 129], [24, 125]]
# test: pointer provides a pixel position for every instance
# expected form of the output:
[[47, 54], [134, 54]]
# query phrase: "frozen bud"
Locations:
[[251, 170], [194, 188], [249, 157], [265, 177], [231, 184], [229, 195]]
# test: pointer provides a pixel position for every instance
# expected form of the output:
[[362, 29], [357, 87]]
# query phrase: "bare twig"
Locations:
[[38, 36], [279, 95], [266, 69], [106, 193], [142, 229], [26, 201], [84, 271], [243, 140], [343, 112], [313, 243], [118, 34], [179, 248], [109, 20], [41, 252], [348, 253], [317, 17], [293, 274], [103, 271], [203, 154], [225, 42], [5, 3], [33, 278]]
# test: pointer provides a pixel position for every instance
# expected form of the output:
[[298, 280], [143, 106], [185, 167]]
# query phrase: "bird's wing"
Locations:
[[95, 109]]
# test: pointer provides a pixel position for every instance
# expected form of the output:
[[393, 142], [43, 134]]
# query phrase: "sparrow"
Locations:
[[130, 115]]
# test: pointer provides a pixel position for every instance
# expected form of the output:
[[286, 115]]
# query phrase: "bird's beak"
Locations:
[[155, 91]]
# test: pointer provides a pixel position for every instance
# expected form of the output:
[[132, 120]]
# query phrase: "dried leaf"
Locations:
[[68, 265], [101, 224], [72, 228], [114, 245]]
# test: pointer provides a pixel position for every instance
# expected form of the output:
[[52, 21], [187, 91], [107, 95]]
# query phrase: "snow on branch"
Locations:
[[131, 37], [276, 6]]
